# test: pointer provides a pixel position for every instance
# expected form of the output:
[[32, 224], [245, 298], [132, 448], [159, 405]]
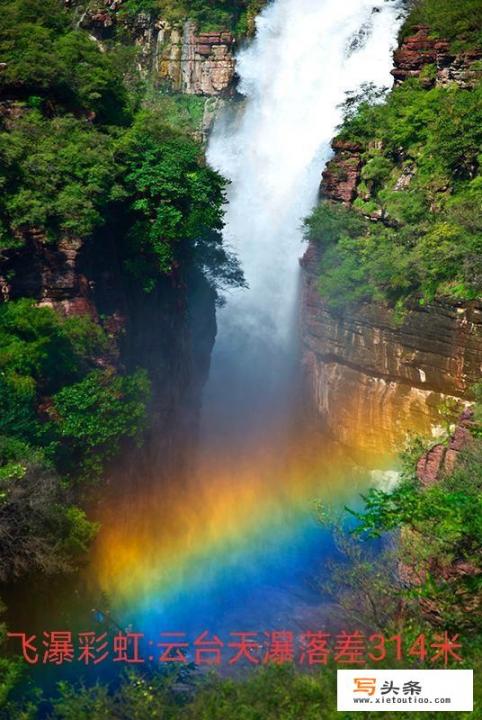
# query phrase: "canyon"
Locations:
[[220, 414], [368, 379]]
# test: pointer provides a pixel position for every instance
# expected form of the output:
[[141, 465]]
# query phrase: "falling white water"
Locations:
[[306, 55]]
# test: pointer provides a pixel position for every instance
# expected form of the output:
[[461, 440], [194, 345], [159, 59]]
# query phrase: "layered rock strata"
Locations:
[[175, 56], [422, 55], [370, 380]]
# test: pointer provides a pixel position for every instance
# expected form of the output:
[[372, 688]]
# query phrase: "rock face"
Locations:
[[195, 64], [441, 459], [342, 174], [169, 331], [420, 51], [52, 274], [176, 56], [370, 382]]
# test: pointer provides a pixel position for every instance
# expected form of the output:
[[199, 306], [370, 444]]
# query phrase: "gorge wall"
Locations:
[[176, 56], [371, 379], [170, 331]]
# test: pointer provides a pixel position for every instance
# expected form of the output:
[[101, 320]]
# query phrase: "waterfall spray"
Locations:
[[306, 55], [232, 547]]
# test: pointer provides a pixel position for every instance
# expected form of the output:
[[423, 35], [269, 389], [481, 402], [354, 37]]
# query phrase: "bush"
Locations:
[[441, 531], [51, 397], [56, 177], [176, 200], [40, 529], [236, 15], [94, 414]]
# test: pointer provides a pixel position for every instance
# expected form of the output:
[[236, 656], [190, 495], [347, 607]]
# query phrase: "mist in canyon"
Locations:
[[233, 546], [306, 56]]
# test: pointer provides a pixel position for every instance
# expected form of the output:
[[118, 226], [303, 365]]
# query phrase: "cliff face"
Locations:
[[423, 56], [195, 63], [176, 56], [370, 379], [442, 459], [169, 331]]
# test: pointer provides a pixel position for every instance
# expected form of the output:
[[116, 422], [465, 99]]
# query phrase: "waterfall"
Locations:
[[306, 55], [231, 545]]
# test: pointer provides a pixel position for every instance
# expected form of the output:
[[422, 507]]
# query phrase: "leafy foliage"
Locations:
[[235, 15], [56, 176], [40, 530], [49, 361], [421, 176], [441, 532], [94, 414], [269, 693], [174, 196], [45, 57], [460, 22], [76, 153]]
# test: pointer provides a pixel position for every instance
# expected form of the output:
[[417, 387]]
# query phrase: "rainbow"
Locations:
[[184, 553]]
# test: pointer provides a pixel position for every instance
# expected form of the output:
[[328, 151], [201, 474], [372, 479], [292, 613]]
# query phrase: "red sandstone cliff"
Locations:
[[178, 56], [368, 379], [420, 50]]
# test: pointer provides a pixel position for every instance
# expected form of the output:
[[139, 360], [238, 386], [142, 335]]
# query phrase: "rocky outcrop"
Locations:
[[176, 56], [459, 573], [370, 381], [342, 174], [169, 331], [50, 274], [422, 55], [195, 63], [441, 459]]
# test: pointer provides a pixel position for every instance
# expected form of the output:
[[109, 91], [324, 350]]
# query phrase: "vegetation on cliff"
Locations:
[[43, 56], [421, 180], [77, 151], [235, 15], [61, 417], [459, 22], [412, 233], [71, 147]]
